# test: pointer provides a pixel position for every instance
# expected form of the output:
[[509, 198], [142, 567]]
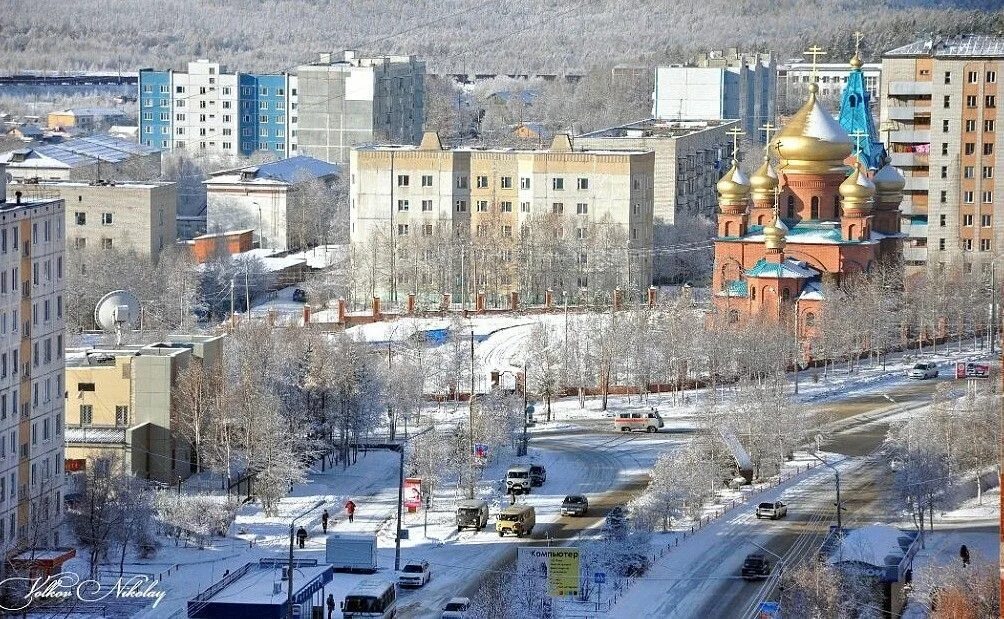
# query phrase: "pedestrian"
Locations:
[[324, 521], [512, 496], [350, 509], [301, 536], [331, 605], [964, 555]]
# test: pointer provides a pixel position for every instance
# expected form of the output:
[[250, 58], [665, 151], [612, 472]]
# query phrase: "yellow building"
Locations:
[[120, 401]]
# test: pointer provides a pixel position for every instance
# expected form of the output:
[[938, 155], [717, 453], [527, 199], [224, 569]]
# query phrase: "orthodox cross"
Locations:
[[815, 51], [768, 128], [735, 132], [857, 41], [777, 203], [857, 135]]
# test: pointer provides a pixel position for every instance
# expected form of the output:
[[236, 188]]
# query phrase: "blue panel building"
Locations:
[[154, 99]]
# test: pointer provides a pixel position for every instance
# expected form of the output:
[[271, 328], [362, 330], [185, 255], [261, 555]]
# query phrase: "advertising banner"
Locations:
[[413, 492], [964, 369], [558, 566]]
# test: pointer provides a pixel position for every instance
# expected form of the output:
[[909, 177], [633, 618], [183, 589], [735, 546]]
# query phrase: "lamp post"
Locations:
[[289, 582], [260, 237], [798, 347], [836, 474]]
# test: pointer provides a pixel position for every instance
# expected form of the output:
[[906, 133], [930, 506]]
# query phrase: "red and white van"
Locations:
[[645, 422]]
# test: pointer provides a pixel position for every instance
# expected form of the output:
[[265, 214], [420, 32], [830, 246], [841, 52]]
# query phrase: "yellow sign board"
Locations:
[[560, 566]]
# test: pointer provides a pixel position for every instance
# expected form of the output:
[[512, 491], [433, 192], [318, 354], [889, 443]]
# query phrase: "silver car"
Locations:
[[923, 370]]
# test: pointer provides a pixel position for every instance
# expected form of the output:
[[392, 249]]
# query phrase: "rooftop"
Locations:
[[290, 170], [658, 128], [86, 434], [808, 232], [261, 583], [93, 111], [58, 183], [790, 268], [80, 152], [958, 46], [105, 356]]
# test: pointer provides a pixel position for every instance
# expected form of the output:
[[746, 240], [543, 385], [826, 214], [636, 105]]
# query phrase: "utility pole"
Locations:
[[525, 406], [247, 292], [391, 425], [798, 347], [231, 303], [840, 506], [289, 581], [993, 307], [470, 421]]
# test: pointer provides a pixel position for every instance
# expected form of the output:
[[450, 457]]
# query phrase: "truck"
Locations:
[[351, 552]]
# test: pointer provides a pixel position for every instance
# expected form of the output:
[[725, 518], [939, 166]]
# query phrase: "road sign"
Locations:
[[480, 450], [600, 577], [965, 369]]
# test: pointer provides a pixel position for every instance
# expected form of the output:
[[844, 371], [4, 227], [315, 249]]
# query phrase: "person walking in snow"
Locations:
[[331, 605], [964, 555], [301, 536], [324, 521], [350, 509]]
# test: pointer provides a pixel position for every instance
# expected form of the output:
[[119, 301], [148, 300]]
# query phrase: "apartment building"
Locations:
[[106, 214], [122, 401], [208, 108], [86, 118], [355, 99], [793, 78], [430, 220], [719, 85], [275, 199], [689, 159], [939, 103], [31, 370]]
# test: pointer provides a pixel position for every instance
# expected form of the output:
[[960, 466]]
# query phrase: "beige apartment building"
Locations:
[[32, 245], [430, 220], [939, 108], [124, 215], [690, 156], [121, 401]]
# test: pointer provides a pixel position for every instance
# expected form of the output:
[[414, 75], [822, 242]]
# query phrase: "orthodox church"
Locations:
[[813, 213]]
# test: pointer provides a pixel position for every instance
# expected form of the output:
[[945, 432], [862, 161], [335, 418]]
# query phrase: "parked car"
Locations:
[[517, 479], [456, 608], [574, 505], [472, 515], [414, 574], [774, 510], [927, 369], [755, 567], [538, 475], [300, 295]]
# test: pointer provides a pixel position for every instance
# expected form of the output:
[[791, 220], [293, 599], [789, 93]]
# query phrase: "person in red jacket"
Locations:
[[350, 509]]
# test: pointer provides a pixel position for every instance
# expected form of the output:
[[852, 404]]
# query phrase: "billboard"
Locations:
[[413, 492], [558, 566], [968, 369]]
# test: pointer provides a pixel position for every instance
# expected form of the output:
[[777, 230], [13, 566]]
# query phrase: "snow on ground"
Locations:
[[287, 311]]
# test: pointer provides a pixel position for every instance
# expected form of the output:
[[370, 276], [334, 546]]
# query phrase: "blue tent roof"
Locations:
[[855, 117], [795, 269]]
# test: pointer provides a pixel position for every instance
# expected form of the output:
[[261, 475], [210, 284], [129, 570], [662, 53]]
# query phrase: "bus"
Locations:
[[371, 598]]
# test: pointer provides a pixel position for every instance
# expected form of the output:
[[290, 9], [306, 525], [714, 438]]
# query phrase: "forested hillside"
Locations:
[[530, 35]]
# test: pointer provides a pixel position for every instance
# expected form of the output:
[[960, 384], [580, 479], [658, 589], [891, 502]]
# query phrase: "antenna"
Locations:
[[116, 311]]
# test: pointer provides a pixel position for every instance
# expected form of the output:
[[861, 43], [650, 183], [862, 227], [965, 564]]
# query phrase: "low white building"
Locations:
[[270, 199]]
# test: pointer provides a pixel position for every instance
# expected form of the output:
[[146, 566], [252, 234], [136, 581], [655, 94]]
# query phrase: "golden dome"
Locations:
[[734, 186], [856, 61], [763, 182], [857, 191], [812, 141], [774, 234]]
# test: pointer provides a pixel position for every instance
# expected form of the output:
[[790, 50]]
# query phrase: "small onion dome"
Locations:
[[763, 182], [774, 234], [857, 190], [889, 179], [856, 61], [812, 141], [734, 187]]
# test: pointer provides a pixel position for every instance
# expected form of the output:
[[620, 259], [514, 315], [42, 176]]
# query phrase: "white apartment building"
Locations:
[[31, 370], [793, 79]]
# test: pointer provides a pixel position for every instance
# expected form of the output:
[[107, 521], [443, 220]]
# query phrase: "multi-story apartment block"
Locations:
[[689, 159], [31, 369], [719, 86], [939, 104], [123, 215], [352, 100], [793, 80], [429, 221], [123, 402], [210, 109]]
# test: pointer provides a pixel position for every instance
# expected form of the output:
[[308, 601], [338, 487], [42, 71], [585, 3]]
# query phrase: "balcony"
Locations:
[[911, 137], [914, 254], [910, 160], [909, 88], [908, 112], [917, 183]]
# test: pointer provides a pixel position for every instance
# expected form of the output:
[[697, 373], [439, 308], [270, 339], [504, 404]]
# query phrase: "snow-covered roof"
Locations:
[[790, 268], [812, 233], [105, 436], [285, 171], [323, 256], [963, 45], [876, 544], [812, 291], [821, 125]]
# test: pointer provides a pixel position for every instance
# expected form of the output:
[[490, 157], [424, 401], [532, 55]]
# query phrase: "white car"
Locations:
[[414, 574], [923, 370], [774, 510], [456, 608]]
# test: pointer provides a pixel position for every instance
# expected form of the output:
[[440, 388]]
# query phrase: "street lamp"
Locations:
[[836, 474], [261, 244], [289, 582]]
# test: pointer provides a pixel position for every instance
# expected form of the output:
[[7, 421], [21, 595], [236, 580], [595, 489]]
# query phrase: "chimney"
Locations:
[[17, 197]]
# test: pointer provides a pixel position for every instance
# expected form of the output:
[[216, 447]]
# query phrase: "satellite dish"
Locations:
[[116, 311]]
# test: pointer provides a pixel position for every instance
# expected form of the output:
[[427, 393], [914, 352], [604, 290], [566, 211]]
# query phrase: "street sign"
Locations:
[[480, 450], [600, 577], [403, 534], [965, 369]]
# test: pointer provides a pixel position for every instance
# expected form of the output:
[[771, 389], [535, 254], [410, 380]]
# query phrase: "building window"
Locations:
[[106, 243], [942, 220], [944, 126], [972, 77], [988, 171], [944, 148], [941, 244], [461, 182], [86, 414], [752, 293], [988, 197], [991, 101], [968, 197], [814, 208], [402, 180], [426, 205], [984, 244], [582, 184], [971, 101], [426, 180], [121, 415], [506, 182], [581, 208], [427, 230], [524, 207], [557, 208], [988, 148], [989, 126], [967, 220], [402, 229], [968, 171], [969, 148], [80, 217], [948, 77], [944, 171], [461, 206], [557, 184], [524, 182], [970, 125], [991, 77], [791, 207], [482, 182], [506, 207], [507, 231], [402, 205], [947, 102], [106, 219], [482, 206], [984, 221]]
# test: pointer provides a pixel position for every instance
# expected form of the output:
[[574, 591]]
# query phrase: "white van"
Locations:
[[647, 422], [518, 479], [371, 598]]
